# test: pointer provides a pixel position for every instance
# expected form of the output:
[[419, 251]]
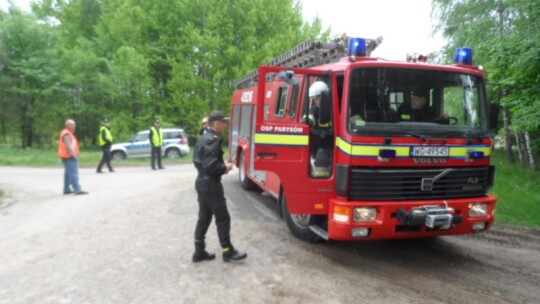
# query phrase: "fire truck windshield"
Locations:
[[383, 100]]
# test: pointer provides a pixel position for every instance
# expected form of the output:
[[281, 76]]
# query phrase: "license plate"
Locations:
[[423, 151]]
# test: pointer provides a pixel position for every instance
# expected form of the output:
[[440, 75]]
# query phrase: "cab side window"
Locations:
[[294, 101], [281, 104]]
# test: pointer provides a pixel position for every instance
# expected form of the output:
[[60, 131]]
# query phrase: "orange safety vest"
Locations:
[[63, 151]]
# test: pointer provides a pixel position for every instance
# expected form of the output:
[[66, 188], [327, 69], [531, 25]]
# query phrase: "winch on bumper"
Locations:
[[434, 217]]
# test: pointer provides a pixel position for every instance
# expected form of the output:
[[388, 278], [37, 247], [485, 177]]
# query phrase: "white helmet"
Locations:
[[317, 88]]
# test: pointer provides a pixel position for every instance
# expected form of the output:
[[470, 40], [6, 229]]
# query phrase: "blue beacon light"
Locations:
[[463, 56], [475, 154], [386, 154], [357, 47]]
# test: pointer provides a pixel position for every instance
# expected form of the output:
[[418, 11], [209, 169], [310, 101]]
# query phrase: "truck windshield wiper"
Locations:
[[473, 135], [467, 134], [423, 138]]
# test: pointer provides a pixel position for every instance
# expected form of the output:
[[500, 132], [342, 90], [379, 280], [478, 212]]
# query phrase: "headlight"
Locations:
[[478, 209], [362, 215]]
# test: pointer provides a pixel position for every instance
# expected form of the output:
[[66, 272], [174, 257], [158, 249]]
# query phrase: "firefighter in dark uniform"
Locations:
[[321, 137], [105, 141], [208, 159]]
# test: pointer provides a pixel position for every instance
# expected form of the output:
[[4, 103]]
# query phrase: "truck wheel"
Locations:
[[298, 223], [245, 182]]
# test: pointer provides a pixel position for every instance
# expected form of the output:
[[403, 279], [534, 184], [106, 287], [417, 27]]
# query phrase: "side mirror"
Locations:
[[325, 108], [288, 77], [494, 115]]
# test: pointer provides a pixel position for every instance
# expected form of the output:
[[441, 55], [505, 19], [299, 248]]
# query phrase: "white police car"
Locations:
[[175, 145]]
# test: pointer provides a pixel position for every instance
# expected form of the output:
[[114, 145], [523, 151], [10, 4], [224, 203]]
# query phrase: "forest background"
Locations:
[[134, 61]]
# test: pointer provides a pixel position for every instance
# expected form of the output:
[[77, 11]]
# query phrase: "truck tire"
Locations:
[[298, 223], [245, 182]]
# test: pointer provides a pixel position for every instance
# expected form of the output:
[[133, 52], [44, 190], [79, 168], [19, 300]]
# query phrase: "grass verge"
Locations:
[[518, 190]]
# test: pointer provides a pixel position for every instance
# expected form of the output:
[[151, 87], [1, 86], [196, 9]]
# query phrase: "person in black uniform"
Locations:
[[419, 109], [321, 137], [204, 128], [208, 159], [105, 141]]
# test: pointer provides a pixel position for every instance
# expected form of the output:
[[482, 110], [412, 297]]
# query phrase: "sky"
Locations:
[[405, 25]]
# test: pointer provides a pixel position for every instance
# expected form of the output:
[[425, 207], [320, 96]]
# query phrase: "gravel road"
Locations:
[[131, 239]]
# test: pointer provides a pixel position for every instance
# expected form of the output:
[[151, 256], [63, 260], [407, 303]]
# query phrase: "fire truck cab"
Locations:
[[359, 160]]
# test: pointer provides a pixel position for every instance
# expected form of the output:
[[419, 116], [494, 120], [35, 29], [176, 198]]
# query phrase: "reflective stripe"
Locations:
[[461, 151], [282, 139], [404, 150]]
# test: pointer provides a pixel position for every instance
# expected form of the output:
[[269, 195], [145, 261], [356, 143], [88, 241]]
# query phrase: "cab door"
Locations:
[[283, 146]]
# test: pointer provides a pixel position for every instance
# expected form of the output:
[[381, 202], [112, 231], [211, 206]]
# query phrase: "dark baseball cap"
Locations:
[[421, 92], [216, 115], [157, 121]]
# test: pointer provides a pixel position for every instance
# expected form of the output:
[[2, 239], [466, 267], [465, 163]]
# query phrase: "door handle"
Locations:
[[264, 154]]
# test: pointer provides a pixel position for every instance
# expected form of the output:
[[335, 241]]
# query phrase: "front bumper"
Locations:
[[395, 219]]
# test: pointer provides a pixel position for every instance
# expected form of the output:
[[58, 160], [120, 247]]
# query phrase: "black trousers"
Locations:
[[105, 159], [156, 153], [212, 203]]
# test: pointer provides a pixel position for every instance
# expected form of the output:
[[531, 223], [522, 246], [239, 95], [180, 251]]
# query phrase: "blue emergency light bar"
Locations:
[[463, 56], [357, 47]]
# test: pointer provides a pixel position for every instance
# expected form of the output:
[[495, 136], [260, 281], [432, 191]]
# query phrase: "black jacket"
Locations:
[[208, 158], [406, 113]]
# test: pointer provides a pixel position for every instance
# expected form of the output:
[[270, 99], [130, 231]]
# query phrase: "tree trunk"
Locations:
[[507, 136], [522, 149], [530, 152]]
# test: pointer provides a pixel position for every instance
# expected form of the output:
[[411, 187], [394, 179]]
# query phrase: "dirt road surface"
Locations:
[[131, 239]]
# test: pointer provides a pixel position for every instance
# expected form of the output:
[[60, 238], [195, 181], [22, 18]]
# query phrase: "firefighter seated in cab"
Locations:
[[419, 109], [321, 137]]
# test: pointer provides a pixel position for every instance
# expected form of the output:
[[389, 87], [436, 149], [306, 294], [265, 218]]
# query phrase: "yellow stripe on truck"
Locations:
[[281, 139], [402, 151]]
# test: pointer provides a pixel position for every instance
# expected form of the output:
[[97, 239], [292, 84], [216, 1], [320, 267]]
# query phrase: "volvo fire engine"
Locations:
[[371, 172]]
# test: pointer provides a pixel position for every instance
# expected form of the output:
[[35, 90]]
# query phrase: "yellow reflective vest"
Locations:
[[157, 137], [108, 136]]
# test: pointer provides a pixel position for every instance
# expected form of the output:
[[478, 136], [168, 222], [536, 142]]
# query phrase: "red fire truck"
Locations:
[[368, 167]]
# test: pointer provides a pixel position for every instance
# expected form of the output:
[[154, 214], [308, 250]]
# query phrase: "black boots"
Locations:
[[231, 254], [200, 254]]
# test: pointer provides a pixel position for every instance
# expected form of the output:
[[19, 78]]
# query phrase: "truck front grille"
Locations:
[[406, 183]]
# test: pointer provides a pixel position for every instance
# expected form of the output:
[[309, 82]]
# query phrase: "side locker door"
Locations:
[[284, 147]]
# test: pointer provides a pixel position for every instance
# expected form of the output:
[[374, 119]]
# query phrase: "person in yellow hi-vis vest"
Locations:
[[156, 141], [105, 140]]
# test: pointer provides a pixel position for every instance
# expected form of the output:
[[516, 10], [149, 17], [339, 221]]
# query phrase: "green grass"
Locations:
[[518, 190], [88, 158]]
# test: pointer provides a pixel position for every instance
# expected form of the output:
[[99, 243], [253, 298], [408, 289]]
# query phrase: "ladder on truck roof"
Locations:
[[308, 54]]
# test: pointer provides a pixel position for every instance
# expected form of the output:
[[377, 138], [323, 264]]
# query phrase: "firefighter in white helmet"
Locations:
[[315, 91], [321, 133]]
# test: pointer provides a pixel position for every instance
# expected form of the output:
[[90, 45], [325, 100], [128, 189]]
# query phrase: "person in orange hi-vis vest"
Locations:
[[68, 150]]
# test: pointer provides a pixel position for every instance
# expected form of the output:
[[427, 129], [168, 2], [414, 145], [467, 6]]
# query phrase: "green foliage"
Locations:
[[505, 37], [134, 60], [29, 76]]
